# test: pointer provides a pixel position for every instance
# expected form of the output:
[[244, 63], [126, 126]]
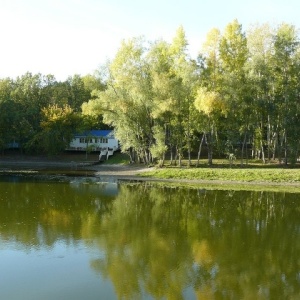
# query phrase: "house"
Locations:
[[95, 140], [13, 145]]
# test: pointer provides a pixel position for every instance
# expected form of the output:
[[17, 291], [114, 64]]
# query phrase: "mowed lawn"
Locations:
[[253, 172]]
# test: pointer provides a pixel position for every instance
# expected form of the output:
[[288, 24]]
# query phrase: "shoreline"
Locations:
[[132, 173]]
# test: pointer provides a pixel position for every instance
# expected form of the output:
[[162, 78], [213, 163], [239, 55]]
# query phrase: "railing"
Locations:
[[105, 153]]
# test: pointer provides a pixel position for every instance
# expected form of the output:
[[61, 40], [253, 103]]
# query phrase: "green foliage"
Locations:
[[38, 112], [58, 126], [159, 148], [241, 95]]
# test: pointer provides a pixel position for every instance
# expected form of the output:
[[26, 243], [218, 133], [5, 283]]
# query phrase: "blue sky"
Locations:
[[67, 37]]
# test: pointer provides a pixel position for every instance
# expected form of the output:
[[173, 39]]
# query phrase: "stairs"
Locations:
[[105, 153]]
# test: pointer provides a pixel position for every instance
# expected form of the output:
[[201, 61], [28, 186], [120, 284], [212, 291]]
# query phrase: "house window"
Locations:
[[81, 140], [88, 141], [96, 141], [103, 140]]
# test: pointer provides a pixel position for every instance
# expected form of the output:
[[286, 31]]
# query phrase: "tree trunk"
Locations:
[[200, 148], [280, 147], [175, 158], [263, 153], [243, 147], [285, 149], [179, 157], [130, 153], [162, 160], [189, 153], [171, 155], [209, 148], [269, 139], [246, 153]]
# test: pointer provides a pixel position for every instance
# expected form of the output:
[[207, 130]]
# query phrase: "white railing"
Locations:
[[106, 152]]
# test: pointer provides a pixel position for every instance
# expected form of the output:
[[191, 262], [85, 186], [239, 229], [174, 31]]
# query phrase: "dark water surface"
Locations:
[[80, 238]]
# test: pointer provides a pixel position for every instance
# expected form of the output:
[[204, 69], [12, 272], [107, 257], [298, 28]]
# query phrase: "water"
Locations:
[[80, 238]]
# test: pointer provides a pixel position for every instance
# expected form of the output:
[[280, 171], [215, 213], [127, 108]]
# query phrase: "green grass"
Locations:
[[118, 158], [232, 187], [275, 179], [268, 175]]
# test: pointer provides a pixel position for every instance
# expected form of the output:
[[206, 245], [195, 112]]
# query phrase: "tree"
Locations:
[[235, 84], [126, 103], [92, 83], [212, 106], [185, 71], [148, 97], [58, 127], [285, 63], [173, 80], [262, 81], [7, 110], [208, 91], [78, 91]]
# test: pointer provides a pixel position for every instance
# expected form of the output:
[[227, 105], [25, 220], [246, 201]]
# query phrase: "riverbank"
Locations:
[[210, 178], [71, 164], [262, 179]]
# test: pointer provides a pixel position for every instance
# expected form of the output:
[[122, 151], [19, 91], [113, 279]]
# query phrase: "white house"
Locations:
[[95, 140]]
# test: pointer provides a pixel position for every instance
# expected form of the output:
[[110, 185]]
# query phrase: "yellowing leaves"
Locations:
[[209, 102], [55, 112]]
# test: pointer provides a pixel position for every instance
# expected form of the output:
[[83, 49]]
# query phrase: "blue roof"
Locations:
[[98, 133]]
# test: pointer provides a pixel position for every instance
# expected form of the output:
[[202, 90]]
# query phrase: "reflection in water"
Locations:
[[159, 243]]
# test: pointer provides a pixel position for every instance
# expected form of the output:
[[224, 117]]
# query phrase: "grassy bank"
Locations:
[[270, 187], [243, 175], [255, 171], [220, 178]]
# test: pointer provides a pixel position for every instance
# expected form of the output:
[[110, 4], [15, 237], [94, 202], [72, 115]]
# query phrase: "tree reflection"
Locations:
[[167, 243], [37, 213], [227, 245]]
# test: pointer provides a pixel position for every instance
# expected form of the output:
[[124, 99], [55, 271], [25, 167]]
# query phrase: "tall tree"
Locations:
[[126, 103], [208, 91], [286, 71], [173, 80], [260, 47], [235, 84]]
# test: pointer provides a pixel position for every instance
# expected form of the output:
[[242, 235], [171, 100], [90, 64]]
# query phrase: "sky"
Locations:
[[68, 37]]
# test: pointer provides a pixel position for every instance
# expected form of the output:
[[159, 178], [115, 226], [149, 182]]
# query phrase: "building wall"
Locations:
[[80, 143]]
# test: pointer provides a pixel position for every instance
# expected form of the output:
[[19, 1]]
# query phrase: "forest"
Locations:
[[238, 99]]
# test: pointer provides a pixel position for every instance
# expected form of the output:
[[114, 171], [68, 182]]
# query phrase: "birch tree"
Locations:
[[260, 47], [208, 92]]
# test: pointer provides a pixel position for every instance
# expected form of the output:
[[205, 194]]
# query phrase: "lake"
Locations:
[[68, 237]]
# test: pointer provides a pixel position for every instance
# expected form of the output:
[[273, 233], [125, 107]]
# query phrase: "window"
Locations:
[[103, 140], [81, 140]]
